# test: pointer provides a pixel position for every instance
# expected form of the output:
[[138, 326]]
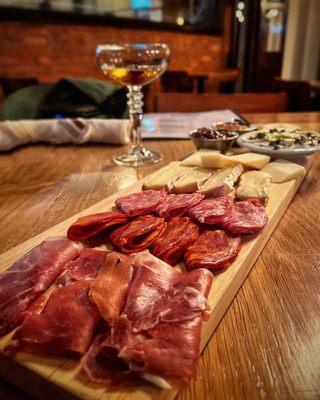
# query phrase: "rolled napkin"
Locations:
[[61, 131]]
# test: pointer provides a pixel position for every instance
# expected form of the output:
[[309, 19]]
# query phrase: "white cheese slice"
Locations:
[[163, 178], [254, 185], [217, 160], [221, 183], [190, 182], [195, 158], [248, 160], [283, 170], [251, 160]]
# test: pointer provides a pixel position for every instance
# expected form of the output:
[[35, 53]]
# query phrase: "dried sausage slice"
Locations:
[[178, 235], [176, 205], [138, 235], [90, 226], [213, 249], [141, 203], [211, 211], [245, 217]]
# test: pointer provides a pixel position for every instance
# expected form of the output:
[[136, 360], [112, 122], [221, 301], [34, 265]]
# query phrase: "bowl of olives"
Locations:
[[210, 138]]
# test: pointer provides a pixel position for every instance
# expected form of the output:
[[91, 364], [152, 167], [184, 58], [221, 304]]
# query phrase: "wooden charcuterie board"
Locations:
[[55, 377]]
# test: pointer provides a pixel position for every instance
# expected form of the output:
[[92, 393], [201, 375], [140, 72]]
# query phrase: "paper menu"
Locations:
[[178, 125]]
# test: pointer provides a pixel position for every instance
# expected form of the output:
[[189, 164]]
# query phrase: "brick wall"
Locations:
[[51, 51]]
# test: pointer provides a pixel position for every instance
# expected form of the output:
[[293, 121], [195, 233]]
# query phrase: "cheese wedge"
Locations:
[[254, 185], [248, 160], [163, 178], [251, 160], [195, 158], [217, 160], [190, 182], [283, 170], [221, 182]]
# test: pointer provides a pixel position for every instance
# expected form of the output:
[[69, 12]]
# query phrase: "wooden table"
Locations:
[[267, 346]]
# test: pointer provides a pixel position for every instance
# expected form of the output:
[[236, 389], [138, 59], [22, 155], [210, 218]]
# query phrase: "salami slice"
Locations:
[[213, 249], [211, 211], [245, 217], [139, 234], [141, 203], [91, 226], [176, 205], [178, 235]]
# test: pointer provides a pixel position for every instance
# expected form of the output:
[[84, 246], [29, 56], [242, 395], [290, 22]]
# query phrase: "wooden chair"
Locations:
[[298, 93], [241, 102]]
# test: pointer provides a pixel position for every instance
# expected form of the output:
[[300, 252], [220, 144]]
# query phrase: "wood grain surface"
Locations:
[[267, 345]]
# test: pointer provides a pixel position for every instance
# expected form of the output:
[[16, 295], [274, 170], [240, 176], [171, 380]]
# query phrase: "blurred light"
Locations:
[[241, 5], [241, 19], [238, 13], [140, 4], [273, 12], [180, 21]]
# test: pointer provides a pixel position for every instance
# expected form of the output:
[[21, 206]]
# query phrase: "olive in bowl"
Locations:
[[206, 138]]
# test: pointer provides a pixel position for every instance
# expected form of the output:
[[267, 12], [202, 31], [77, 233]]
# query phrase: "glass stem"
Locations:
[[135, 104]]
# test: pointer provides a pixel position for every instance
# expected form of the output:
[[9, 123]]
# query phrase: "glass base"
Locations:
[[137, 157]]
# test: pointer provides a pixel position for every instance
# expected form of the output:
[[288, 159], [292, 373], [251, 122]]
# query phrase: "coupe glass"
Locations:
[[133, 66]]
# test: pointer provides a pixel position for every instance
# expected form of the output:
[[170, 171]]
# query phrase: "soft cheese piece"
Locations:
[[254, 185], [195, 158], [251, 160], [283, 170], [191, 181], [221, 182], [248, 160], [163, 178]]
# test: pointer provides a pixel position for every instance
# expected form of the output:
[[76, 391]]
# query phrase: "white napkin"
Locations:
[[66, 130]]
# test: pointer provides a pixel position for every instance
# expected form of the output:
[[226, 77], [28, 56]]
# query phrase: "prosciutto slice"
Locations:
[[180, 232], [141, 203], [213, 249], [87, 265], [110, 288], [156, 334], [245, 217], [95, 225], [159, 330], [30, 276], [66, 323], [139, 234], [211, 211], [176, 205], [101, 363]]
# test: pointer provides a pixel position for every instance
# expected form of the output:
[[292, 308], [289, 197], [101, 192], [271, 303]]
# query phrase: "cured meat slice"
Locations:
[[159, 329], [66, 323], [245, 217], [141, 203], [213, 249], [156, 288], [176, 205], [180, 232], [211, 211], [91, 226], [109, 289], [30, 276], [139, 234], [167, 350], [102, 365], [156, 334], [87, 265]]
